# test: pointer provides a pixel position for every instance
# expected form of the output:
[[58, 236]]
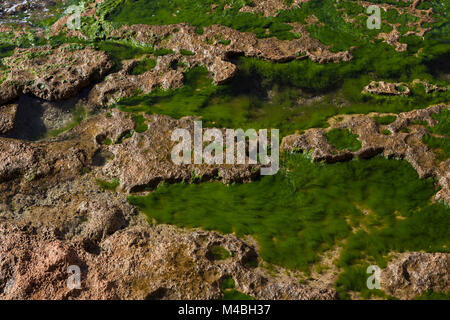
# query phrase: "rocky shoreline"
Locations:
[[54, 212]]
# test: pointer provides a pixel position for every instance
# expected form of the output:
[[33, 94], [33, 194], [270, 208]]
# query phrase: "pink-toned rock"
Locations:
[[52, 74], [414, 273]]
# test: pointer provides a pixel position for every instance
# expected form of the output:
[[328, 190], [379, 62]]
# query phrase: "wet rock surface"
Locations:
[[270, 7], [144, 160], [140, 262], [386, 88], [36, 118], [52, 216]]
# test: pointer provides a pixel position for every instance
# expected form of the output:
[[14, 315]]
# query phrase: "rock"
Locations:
[[429, 88], [223, 71], [19, 12], [36, 268], [414, 273], [52, 74], [392, 38], [270, 7], [386, 88], [7, 117], [144, 160], [8, 93], [140, 262], [103, 220], [15, 158]]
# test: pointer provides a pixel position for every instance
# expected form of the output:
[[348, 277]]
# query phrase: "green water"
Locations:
[[385, 120], [309, 208], [439, 139], [344, 139], [332, 30], [243, 102]]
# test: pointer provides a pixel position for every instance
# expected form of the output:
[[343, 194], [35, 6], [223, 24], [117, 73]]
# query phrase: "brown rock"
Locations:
[[7, 117], [144, 160], [140, 262], [414, 273], [386, 88], [270, 8], [52, 74]]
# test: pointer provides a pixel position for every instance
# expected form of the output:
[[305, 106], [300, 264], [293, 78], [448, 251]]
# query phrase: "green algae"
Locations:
[[309, 208], [140, 123], [6, 50], [108, 185], [143, 66], [441, 146], [197, 13], [343, 139], [385, 120], [431, 295], [332, 28], [230, 293], [324, 206], [219, 253], [439, 139], [443, 123], [244, 102]]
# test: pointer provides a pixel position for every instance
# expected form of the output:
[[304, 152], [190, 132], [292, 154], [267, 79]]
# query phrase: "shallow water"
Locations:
[[22, 11], [37, 118]]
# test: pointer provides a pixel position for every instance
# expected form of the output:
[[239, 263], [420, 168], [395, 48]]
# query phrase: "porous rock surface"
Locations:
[[387, 88], [270, 8], [144, 160], [51, 74], [53, 214], [414, 273], [140, 262]]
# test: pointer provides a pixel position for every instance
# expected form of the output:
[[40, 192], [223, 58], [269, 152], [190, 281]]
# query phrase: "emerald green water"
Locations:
[[243, 103], [344, 139], [333, 29], [376, 206], [440, 144]]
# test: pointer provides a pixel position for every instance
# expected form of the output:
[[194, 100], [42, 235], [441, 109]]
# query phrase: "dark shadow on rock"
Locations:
[[29, 124]]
